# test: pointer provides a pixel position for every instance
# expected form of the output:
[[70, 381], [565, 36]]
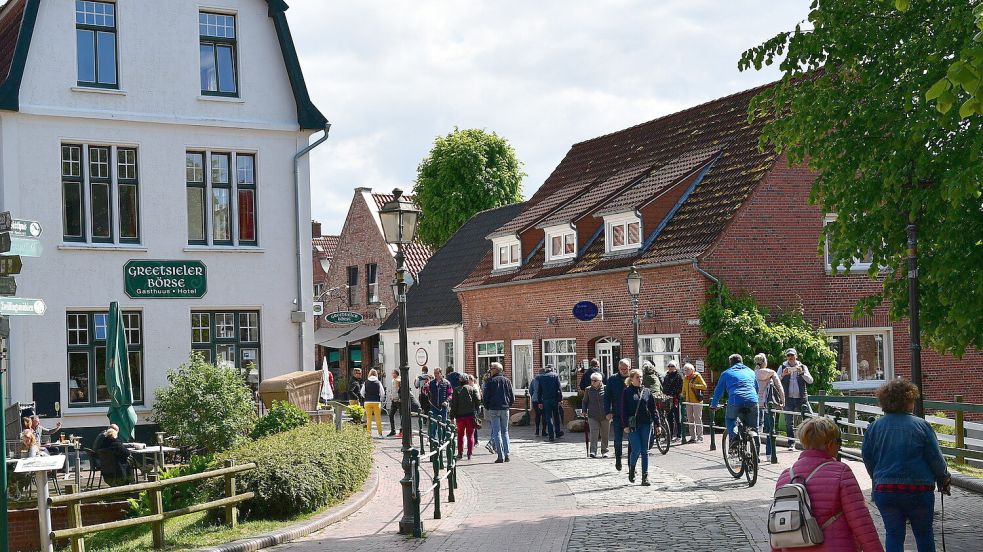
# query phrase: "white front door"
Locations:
[[521, 363], [607, 353]]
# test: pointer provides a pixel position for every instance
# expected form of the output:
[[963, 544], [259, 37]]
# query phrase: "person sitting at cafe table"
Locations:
[[30, 447], [111, 449], [40, 430]]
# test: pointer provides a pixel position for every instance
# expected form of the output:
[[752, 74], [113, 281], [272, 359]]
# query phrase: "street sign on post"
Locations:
[[25, 247], [10, 264], [24, 228], [5, 221], [22, 306], [8, 286]]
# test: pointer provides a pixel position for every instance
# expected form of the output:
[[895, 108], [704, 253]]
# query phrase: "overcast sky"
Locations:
[[392, 75]]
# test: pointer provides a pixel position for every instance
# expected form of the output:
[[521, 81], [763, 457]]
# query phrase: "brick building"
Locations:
[[358, 280], [322, 253], [689, 199]]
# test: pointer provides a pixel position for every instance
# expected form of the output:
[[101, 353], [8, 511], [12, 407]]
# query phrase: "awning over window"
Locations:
[[338, 338]]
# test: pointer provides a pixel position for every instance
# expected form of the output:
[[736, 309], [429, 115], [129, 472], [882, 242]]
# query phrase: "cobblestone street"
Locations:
[[551, 496]]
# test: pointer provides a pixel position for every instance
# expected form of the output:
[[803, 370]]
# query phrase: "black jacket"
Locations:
[[465, 402], [672, 384], [630, 405], [354, 390]]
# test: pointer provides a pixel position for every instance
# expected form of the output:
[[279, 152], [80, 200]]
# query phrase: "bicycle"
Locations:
[[742, 459], [661, 436]]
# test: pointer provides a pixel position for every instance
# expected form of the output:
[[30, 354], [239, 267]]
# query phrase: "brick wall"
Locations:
[[24, 534], [771, 250]]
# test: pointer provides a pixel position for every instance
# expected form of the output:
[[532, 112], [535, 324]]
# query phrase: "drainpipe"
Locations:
[[711, 277], [298, 316]]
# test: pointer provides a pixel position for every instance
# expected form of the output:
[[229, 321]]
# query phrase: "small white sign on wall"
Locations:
[[699, 365]]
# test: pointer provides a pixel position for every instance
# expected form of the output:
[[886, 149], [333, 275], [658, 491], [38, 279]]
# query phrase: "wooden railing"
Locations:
[[76, 531]]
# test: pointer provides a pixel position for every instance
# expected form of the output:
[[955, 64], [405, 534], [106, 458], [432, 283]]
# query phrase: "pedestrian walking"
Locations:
[[837, 503], [355, 388], [439, 392], [694, 388], [653, 381], [422, 383], [453, 378], [638, 414], [672, 387], [597, 422], [901, 453], [593, 368], [394, 401], [497, 398], [374, 394], [613, 389], [537, 403], [769, 391], [464, 411], [795, 378], [550, 392]]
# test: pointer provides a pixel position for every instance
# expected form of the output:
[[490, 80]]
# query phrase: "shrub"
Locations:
[[301, 470], [357, 413], [175, 496], [206, 407], [282, 416], [740, 325]]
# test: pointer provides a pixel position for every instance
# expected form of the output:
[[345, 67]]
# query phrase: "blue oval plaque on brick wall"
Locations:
[[585, 310]]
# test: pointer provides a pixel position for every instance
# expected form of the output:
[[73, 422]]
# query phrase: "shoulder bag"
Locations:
[[633, 419]]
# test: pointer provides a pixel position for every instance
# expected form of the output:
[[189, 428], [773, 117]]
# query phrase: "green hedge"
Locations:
[[282, 416], [301, 470]]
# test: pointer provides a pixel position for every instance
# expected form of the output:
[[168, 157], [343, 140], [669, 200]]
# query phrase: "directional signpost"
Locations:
[[18, 238]]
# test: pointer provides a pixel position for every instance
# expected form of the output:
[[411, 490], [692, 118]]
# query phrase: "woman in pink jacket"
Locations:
[[833, 490]]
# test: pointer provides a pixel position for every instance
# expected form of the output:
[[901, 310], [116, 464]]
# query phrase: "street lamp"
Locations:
[[634, 289], [399, 218]]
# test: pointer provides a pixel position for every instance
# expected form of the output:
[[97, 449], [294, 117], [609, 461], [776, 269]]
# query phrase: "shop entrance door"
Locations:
[[608, 353]]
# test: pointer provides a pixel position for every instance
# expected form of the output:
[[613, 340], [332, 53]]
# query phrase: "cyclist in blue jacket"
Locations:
[[739, 383]]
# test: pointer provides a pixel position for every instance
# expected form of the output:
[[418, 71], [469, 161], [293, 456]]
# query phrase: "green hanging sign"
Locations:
[[165, 279]]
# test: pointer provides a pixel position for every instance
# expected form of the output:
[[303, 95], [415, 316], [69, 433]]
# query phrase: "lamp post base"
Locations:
[[406, 523]]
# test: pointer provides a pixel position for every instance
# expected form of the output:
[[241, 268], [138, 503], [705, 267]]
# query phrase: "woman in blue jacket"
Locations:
[[902, 456], [638, 412]]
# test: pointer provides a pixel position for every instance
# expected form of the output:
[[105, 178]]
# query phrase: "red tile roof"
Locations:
[[328, 245], [11, 17], [416, 253], [715, 135]]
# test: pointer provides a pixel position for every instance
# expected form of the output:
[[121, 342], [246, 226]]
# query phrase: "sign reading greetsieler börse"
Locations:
[[165, 279]]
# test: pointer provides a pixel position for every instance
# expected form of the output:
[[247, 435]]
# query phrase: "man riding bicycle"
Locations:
[[738, 382]]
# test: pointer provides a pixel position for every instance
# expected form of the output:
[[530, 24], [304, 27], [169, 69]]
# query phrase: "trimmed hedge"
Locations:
[[282, 416], [301, 470]]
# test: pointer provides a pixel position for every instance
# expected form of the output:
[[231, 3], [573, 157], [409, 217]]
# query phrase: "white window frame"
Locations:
[[858, 264], [567, 236], [623, 220], [548, 359], [478, 356], [887, 334], [667, 355], [532, 372], [444, 360], [513, 248]]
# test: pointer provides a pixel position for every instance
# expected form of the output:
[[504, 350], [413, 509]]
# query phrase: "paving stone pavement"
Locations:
[[552, 497]]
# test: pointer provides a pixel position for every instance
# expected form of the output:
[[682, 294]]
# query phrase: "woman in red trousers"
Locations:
[[464, 410]]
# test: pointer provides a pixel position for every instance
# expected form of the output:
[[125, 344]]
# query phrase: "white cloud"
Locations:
[[393, 75]]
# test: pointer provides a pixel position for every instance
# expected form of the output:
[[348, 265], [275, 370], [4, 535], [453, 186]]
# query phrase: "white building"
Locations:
[[435, 329], [138, 132]]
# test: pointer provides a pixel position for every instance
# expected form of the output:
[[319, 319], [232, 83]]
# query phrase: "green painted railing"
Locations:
[[441, 437]]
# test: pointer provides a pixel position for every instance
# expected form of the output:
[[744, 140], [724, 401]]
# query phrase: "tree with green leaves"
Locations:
[[853, 105], [466, 172]]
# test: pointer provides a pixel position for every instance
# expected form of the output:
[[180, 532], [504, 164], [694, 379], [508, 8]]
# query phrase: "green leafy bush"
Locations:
[[175, 496], [357, 413], [739, 325], [282, 416], [301, 470], [205, 407]]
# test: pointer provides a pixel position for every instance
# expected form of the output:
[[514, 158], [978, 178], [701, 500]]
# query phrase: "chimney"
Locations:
[[315, 229]]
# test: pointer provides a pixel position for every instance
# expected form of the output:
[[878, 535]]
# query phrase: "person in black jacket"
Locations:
[[594, 368], [672, 386], [612, 406], [114, 459], [497, 398], [551, 394], [464, 411], [638, 413], [355, 388]]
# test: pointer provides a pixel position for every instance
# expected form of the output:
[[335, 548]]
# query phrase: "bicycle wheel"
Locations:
[[732, 461], [749, 452], [663, 437]]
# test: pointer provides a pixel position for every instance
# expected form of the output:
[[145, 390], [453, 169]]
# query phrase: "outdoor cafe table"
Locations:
[[151, 453], [68, 446]]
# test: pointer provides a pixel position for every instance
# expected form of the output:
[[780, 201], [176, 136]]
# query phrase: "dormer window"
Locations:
[[622, 232], [561, 243], [508, 252]]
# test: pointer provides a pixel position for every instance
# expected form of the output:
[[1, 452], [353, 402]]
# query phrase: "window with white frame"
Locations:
[[487, 352], [858, 265], [622, 232], [228, 339], [561, 243], [445, 353], [507, 252], [659, 350], [100, 197], [562, 355], [864, 356]]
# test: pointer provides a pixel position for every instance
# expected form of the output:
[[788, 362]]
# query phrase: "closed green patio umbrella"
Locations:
[[118, 383]]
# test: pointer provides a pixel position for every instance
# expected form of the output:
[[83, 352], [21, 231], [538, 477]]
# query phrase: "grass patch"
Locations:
[[965, 469]]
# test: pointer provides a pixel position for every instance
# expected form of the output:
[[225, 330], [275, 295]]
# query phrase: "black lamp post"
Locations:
[[634, 289], [399, 218]]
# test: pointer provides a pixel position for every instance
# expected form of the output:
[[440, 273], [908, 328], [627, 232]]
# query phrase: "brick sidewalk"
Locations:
[[552, 497]]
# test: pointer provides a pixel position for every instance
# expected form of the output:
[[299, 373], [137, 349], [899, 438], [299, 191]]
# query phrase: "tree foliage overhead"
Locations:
[[739, 325], [466, 172], [852, 105]]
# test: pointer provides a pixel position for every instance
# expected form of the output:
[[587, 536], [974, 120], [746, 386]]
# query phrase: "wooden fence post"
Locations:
[[231, 512], [960, 431], [338, 413], [75, 518], [822, 402], [156, 508]]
